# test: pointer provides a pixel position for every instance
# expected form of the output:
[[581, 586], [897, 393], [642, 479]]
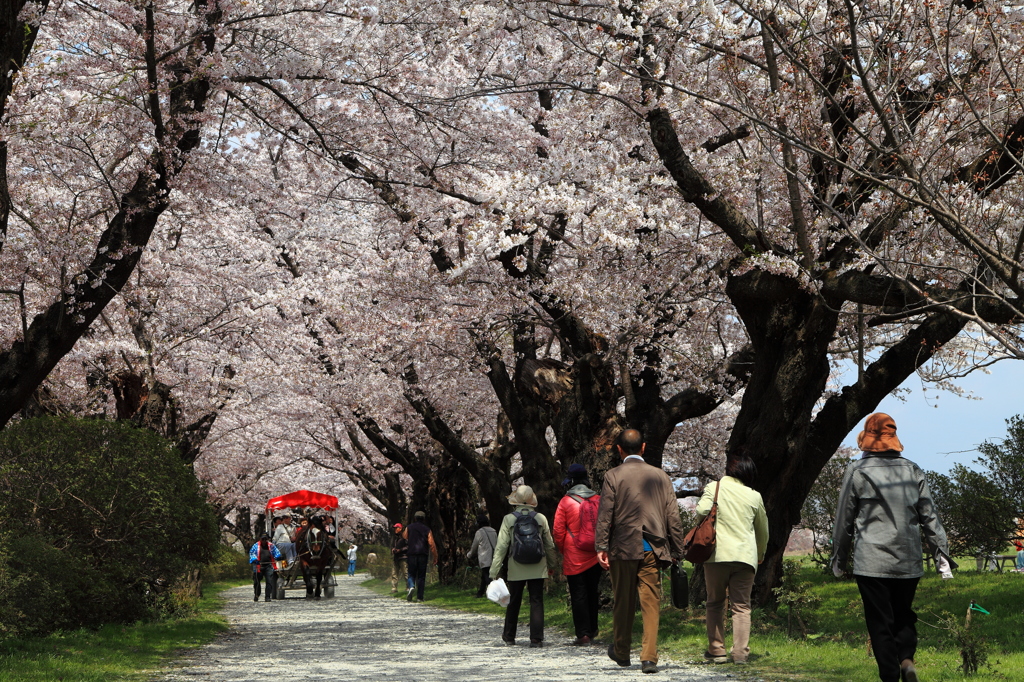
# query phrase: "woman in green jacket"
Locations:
[[524, 575], [741, 533]]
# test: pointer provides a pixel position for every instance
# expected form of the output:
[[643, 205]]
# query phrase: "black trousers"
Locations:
[[515, 590], [585, 600], [418, 572], [266, 571], [485, 580], [890, 620]]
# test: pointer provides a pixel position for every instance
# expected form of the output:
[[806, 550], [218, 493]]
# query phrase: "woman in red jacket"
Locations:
[[575, 522]]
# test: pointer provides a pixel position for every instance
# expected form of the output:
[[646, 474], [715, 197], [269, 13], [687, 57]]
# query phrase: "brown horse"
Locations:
[[315, 554]]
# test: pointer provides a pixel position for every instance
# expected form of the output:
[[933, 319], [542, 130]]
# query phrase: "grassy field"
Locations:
[[836, 647], [115, 652]]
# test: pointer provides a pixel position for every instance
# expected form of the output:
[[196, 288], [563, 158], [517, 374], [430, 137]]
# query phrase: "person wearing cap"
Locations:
[[263, 558], [398, 553], [484, 541], [524, 576], [638, 533], [579, 564], [884, 505], [421, 545]]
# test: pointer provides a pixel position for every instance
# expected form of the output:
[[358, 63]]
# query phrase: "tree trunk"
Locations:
[[453, 499]]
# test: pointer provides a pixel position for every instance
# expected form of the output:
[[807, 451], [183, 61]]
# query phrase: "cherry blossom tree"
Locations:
[[861, 161]]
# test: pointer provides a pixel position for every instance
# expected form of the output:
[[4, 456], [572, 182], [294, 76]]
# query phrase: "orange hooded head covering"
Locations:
[[879, 434]]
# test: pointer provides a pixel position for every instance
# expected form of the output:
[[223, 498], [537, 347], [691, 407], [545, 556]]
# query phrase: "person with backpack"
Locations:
[[574, 529], [263, 557], [484, 541], [525, 541]]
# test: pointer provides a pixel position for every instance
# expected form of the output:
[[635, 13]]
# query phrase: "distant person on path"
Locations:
[[263, 558], [638, 532], [352, 549], [484, 541], [525, 540], [574, 531], [421, 545], [741, 538], [398, 553], [884, 505]]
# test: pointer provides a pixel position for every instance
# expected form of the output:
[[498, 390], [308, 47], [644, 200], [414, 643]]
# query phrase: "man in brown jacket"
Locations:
[[638, 531]]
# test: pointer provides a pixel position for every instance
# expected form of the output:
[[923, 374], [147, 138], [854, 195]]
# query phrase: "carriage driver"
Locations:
[[263, 557]]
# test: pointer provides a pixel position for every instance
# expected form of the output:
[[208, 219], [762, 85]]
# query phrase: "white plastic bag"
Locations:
[[497, 592]]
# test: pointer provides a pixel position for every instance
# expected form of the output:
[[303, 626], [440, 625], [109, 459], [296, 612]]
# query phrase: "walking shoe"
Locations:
[[508, 642], [266, 599], [256, 598], [624, 662], [711, 658], [535, 644], [408, 594], [420, 600], [648, 667], [581, 641], [908, 673]]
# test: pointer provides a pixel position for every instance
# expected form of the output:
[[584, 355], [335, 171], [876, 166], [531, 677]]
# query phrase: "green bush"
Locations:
[[227, 564], [109, 521]]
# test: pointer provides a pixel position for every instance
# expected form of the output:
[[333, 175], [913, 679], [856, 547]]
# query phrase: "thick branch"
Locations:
[[697, 190], [692, 403]]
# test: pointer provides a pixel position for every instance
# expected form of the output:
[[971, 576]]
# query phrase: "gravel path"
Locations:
[[360, 635]]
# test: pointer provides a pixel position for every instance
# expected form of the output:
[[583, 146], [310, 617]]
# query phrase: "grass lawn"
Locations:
[[114, 652], [836, 648]]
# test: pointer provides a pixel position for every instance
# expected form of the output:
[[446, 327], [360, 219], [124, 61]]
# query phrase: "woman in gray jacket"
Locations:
[[483, 545], [884, 505]]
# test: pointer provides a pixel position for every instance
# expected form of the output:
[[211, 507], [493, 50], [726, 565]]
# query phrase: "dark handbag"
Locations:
[[699, 543], [680, 586]]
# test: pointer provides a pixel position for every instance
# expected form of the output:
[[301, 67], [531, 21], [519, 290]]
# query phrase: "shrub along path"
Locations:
[[360, 635]]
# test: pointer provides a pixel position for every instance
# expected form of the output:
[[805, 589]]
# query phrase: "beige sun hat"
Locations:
[[523, 496]]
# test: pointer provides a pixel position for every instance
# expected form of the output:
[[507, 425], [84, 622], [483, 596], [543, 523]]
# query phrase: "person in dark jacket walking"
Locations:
[[484, 541], [884, 505], [421, 545]]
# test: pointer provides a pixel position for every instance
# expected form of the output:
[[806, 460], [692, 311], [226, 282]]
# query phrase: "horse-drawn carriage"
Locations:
[[315, 557]]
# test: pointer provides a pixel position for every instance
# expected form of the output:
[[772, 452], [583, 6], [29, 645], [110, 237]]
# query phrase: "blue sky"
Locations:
[[939, 429]]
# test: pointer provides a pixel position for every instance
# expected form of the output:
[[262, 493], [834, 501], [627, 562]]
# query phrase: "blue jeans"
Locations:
[[418, 572], [351, 566], [288, 549]]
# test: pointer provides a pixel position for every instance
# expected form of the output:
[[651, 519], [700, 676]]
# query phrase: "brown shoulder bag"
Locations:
[[699, 543]]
